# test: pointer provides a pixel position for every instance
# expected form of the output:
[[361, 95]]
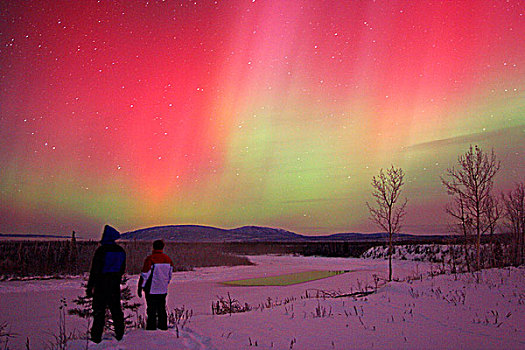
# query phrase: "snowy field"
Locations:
[[466, 311]]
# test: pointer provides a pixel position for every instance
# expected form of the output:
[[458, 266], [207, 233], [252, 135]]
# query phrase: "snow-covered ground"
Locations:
[[467, 311]]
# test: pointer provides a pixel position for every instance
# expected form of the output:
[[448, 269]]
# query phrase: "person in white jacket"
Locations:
[[154, 279]]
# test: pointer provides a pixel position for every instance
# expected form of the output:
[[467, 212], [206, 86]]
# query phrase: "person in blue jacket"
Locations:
[[107, 268]]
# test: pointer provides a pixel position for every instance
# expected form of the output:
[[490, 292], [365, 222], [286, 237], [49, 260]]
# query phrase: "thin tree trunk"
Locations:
[[390, 268], [478, 234], [390, 257], [467, 257], [465, 233], [521, 242], [478, 254]]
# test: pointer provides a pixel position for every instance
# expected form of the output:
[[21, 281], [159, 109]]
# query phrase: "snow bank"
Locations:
[[444, 254]]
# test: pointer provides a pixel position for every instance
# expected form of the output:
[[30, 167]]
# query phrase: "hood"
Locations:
[[110, 235]]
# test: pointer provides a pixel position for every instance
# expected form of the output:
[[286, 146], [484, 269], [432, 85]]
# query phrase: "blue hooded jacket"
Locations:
[[109, 261], [110, 235]]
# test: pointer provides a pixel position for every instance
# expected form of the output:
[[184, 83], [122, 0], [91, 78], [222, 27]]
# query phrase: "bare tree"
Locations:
[[493, 215], [386, 213], [462, 225], [514, 212], [471, 185]]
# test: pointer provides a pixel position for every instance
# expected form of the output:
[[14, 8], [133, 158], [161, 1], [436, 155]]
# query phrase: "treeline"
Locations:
[[70, 257], [348, 249], [320, 248], [58, 258]]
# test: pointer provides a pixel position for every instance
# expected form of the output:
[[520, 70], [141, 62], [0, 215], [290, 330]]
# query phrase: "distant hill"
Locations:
[[197, 233]]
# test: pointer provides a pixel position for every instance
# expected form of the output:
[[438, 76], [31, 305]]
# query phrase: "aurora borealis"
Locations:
[[231, 113]]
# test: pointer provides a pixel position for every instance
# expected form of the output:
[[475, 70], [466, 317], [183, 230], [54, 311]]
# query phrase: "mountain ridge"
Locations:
[[201, 233]]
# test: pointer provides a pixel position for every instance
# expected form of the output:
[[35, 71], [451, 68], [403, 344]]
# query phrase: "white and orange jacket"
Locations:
[[159, 267]]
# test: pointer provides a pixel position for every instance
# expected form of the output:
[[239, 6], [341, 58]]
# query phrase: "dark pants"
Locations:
[[156, 310], [107, 296]]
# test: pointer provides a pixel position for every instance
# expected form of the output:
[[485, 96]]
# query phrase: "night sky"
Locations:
[[231, 113]]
